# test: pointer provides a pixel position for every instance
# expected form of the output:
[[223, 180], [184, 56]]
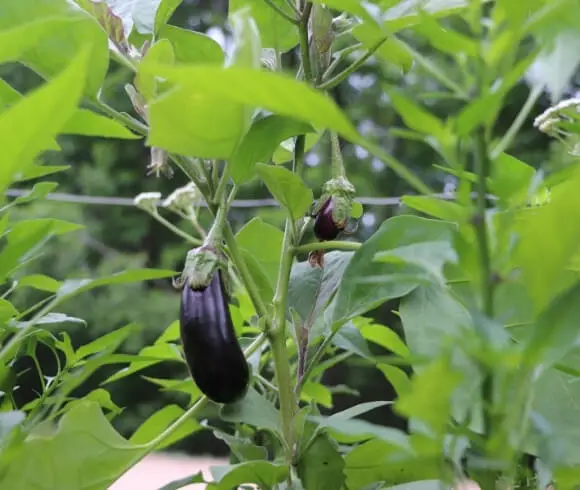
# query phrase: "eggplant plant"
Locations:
[[485, 281]]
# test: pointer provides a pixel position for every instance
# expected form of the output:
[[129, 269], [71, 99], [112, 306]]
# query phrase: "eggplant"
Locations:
[[325, 228], [212, 352]]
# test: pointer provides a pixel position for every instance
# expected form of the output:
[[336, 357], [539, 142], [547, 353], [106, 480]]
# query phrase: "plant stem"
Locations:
[[331, 244], [482, 170], [340, 77], [170, 226], [304, 44]]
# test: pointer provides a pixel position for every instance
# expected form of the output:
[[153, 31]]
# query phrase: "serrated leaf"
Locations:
[[287, 188]]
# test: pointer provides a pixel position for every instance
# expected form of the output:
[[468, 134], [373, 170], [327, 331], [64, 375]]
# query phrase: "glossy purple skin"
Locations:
[[324, 226], [213, 355]]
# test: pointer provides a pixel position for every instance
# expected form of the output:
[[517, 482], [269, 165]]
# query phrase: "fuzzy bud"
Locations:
[[148, 201]]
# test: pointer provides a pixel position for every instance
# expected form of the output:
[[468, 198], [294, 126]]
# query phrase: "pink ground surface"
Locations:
[[159, 469]]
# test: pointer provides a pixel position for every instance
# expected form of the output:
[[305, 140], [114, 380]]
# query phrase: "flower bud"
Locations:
[[148, 201], [183, 198]]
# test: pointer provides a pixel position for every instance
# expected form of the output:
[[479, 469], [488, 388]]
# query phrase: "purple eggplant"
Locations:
[[212, 352], [325, 228]]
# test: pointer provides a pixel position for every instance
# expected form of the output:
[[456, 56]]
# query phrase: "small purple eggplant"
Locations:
[[212, 352], [325, 228]]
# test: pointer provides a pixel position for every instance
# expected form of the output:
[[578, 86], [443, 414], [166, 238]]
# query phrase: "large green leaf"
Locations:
[[27, 127], [197, 123], [275, 31], [272, 91], [62, 44], [406, 245], [434, 321], [390, 50], [320, 466], [287, 188], [261, 245], [548, 238], [261, 141], [83, 453], [192, 47]]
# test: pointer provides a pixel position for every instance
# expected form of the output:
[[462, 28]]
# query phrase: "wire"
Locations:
[[238, 203]]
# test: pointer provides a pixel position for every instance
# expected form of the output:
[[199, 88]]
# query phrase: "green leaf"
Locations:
[[242, 448], [548, 239], [261, 244], [274, 92], [164, 12], [103, 398], [318, 393], [350, 339], [183, 482], [359, 430], [554, 335], [261, 141], [7, 310], [161, 51], [417, 118], [27, 127], [430, 395], [72, 287], [396, 377], [321, 466], [262, 473], [254, 410], [87, 123], [377, 460], [64, 42], [212, 129], [366, 283], [36, 171], [161, 420], [285, 152], [276, 32], [25, 237], [287, 188], [84, 452], [354, 7], [438, 208], [391, 50], [17, 40], [433, 321], [445, 39], [247, 48], [110, 341], [54, 318], [311, 288], [511, 179], [385, 337], [190, 46]]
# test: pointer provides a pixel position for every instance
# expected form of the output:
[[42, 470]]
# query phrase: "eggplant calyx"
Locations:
[[200, 267]]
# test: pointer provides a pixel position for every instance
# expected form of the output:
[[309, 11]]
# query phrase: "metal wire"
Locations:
[[239, 203]]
